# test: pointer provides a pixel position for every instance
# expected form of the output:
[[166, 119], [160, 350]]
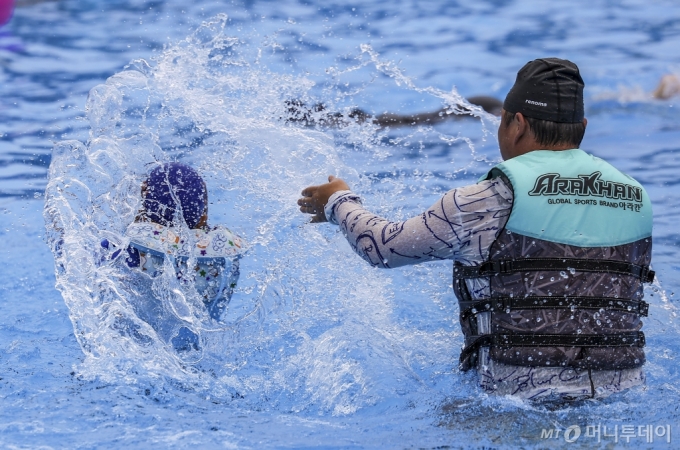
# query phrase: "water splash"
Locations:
[[305, 330]]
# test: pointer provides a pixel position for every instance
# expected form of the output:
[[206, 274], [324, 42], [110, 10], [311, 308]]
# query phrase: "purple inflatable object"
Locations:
[[6, 10]]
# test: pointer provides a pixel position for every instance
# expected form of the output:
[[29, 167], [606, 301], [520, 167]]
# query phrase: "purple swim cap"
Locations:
[[170, 184]]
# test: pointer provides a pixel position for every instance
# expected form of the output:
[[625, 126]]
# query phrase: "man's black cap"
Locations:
[[548, 89]]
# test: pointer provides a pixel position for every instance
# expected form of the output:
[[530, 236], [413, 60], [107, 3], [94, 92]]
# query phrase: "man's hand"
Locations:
[[314, 198]]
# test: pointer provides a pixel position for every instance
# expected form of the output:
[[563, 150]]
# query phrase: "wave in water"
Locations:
[[305, 329]]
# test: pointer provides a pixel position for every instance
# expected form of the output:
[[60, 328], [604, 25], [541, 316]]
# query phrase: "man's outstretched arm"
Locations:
[[461, 225]]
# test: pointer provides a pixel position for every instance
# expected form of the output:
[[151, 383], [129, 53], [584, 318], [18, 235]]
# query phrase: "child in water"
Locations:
[[171, 232]]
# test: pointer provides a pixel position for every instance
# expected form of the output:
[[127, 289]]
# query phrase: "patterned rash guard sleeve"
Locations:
[[461, 225]]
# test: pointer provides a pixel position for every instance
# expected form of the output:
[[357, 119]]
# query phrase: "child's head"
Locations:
[[174, 187]]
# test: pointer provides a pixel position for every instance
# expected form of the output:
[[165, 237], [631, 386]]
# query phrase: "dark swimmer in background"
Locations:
[[318, 115]]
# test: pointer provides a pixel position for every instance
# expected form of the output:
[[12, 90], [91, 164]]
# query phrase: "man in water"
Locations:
[[550, 250]]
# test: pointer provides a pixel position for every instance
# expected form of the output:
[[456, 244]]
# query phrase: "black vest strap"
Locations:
[[502, 267], [533, 302], [473, 343]]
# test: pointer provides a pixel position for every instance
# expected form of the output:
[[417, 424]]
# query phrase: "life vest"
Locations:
[[215, 252], [565, 274]]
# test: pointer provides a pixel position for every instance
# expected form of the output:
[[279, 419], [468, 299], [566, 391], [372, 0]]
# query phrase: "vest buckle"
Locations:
[[501, 267], [643, 308], [647, 275], [502, 304]]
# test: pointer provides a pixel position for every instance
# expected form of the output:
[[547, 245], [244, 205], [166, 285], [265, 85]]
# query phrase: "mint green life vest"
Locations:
[[574, 198], [565, 274]]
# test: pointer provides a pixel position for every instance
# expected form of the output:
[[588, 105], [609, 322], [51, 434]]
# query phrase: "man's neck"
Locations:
[[533, 146]]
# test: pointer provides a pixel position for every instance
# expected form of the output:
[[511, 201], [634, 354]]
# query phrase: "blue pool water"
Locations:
[[316, 349]]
